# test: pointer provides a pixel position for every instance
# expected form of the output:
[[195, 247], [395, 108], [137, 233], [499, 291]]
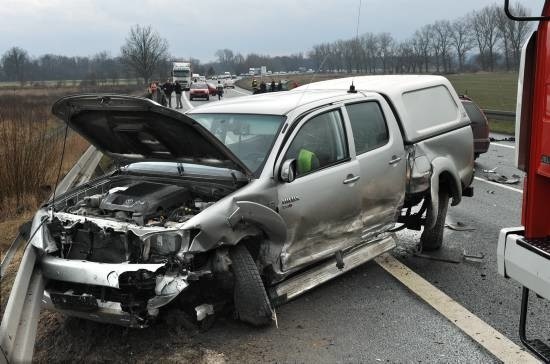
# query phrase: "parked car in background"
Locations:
[[228, 82], [480, 125], [199, 90]]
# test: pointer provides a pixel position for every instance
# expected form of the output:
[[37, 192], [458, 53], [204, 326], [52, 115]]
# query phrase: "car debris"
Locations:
[[476, 258], [500, 178], [458, 226]]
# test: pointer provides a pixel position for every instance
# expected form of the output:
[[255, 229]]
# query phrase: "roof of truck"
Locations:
[[271, 103], [386, 84]]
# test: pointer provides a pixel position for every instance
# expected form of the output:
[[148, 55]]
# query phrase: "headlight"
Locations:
[[166, 243]]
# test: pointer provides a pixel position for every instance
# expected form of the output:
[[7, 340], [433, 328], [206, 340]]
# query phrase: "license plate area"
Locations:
[[67, 301]]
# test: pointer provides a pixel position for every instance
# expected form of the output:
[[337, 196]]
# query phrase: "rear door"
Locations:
[[321, 207], [380, 154]]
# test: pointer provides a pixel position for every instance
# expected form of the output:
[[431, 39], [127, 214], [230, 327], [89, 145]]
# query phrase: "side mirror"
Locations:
[[288, 171]]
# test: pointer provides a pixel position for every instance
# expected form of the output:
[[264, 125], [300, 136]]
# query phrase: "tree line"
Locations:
[[483, 39]]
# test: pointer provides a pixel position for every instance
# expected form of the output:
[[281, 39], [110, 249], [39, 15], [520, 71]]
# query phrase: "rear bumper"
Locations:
[[481, 145], [522, 265], [199, 95]]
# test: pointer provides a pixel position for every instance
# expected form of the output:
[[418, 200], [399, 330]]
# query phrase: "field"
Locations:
[[30, 156], [493, 91]]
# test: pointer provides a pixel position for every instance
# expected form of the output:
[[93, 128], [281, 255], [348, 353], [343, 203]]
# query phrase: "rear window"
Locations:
[[430, 107], [475, 115], [368, 126]]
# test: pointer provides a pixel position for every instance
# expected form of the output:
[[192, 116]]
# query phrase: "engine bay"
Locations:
[[128, 222]]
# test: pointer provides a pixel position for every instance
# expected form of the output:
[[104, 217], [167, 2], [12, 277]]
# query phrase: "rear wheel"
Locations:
[[432, 239], [251, 302]]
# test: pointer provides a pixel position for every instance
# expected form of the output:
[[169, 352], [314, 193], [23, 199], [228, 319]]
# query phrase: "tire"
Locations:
[[476, 155], [251, 303], [190, 98], [432, 239], [207, 98]]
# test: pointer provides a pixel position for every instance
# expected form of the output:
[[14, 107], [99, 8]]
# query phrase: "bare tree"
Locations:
[[422, 39], [370, 45], [485, 26], [441, 43], [15, 63], [513, 34], [144, 51], [461, 39], [385, 48]]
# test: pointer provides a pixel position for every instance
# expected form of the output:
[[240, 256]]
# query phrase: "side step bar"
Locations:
[[536, 346], [303, 282]]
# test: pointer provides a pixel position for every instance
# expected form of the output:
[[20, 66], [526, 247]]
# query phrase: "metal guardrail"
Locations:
[[500, 115], [20, 320]]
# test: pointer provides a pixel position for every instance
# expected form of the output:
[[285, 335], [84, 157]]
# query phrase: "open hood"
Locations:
[[132, 129]]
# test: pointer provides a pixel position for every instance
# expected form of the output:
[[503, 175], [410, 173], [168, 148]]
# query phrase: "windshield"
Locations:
[[181, 73], [248, 136]]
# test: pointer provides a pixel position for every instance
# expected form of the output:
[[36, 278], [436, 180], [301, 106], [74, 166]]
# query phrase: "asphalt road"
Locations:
[[368, 316]]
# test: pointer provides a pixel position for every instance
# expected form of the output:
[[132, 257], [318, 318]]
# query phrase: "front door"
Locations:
[[321, 207], [381, 156]]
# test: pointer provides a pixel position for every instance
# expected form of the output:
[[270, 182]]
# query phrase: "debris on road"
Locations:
[[500, 178], [507, 139], [473, 258], [458, 226]]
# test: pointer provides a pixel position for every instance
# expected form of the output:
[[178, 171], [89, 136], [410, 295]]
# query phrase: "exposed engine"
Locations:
[[144, 204], [125, 222]]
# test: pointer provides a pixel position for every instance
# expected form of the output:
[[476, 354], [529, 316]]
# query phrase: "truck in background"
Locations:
[[181, 71]]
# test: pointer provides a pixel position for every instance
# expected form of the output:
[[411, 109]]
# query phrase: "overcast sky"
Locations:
[[198, 28]]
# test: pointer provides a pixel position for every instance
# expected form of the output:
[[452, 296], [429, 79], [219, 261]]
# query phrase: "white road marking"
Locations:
[[504, 145], [499, 185], [485, 335], [184, 97]]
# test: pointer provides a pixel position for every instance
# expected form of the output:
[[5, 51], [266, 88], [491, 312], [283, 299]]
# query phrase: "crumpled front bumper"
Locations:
[[168, 285]]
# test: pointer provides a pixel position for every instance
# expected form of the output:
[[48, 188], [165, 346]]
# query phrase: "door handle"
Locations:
[[351, 178], [395, 159]]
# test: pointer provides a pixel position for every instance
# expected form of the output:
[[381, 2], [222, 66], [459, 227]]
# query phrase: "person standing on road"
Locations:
[[280, 86], [219, 89], [178, 89], [272, 86], [254, 84], [263, 87], [168, 88]]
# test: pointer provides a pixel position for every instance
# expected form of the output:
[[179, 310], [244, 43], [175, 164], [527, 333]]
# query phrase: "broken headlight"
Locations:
[[166, 243]]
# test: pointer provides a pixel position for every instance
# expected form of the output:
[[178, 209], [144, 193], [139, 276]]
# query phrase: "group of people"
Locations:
[[263, 86], [162, 93]]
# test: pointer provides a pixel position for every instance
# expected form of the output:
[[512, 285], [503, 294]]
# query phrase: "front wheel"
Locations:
[[251, 302], [432, 239]]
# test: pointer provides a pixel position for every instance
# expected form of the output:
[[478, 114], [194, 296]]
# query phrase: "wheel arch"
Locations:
[[444, 175]]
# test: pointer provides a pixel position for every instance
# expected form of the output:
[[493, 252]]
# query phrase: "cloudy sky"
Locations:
[[199, 28]]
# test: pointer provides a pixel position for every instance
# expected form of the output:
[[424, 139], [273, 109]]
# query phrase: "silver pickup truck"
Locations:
[[252, 201]]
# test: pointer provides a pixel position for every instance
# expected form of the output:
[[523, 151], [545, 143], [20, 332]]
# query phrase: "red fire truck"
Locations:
[[524, 252]]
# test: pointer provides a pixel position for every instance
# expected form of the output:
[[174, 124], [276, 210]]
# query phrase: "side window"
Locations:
[[368, 126], [320, 142]]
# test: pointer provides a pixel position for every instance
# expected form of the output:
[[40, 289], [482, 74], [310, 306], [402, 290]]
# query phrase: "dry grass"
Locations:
[[30, 153]]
